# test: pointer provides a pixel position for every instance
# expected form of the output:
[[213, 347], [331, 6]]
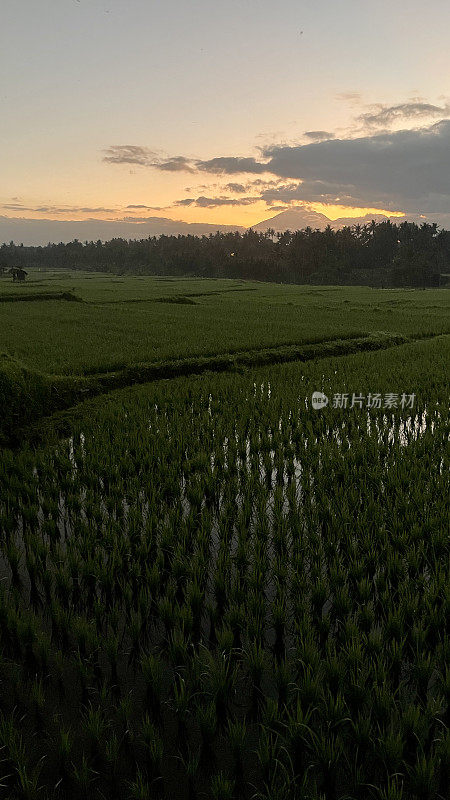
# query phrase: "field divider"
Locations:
[[30, 297], [26, 395]]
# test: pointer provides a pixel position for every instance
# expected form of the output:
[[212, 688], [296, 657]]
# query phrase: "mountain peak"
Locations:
[[295, 219]]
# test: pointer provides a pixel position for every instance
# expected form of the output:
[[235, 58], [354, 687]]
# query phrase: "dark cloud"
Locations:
[[258, 183], [318, 136], [130, 154], [383, 115], [231, 165], [406, 170], [213, 202], [311, 192], [402, 166], [147, 208], [59, 209], [175, 164], [237, 188], [144, 157]]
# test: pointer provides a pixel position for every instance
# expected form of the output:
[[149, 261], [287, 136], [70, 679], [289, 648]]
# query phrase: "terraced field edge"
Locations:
[[26, 395]]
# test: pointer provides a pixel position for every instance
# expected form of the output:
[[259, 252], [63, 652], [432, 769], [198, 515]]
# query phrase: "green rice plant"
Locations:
[[336, 711], [423, 669], [62, 745], [191, 765], [442, 752], [279, 789], [95, 726], [206, 716], [393, 790], [237, 733], [124, 712], [167, 613], [13, 556], [83, 675], [27, 780], [38, 700], [296, 734], [309, 689], [181, 701], [140, 788], [383, 702], [326, 753], [414, 727], [189, 623], [361, 732], [283, 675], [220, 679], [111, 749], [84, 777], [390, 746], [279, 619], [178, 648], [222, 788], [154, 746], [255, 661], [269, 754], [152, 671], [225, 641], [423, 777], [234, 621]]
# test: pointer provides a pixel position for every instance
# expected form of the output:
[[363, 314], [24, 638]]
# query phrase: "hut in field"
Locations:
[[18, 274]]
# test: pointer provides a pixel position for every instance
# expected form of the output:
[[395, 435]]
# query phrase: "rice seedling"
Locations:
[[84, 777], [206, 717], [152, 671], [191, 764], [222, 788], [221, 681], [237, 734], [140, 788]]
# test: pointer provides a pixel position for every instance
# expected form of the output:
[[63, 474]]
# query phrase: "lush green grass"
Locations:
[[108, 331]]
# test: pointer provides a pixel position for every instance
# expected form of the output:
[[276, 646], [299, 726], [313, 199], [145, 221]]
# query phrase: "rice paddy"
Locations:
[[210, 589]]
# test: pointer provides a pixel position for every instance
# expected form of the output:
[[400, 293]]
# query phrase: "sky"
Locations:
[[223, 112]]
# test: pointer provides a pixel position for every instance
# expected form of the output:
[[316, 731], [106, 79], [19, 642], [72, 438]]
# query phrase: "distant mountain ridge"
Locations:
[[295, 219], [38, 232]]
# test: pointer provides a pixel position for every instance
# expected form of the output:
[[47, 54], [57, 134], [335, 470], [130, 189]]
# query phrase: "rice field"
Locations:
[[115, 322], [211, 589]]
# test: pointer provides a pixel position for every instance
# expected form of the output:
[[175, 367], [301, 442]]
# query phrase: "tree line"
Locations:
[[378, 253]]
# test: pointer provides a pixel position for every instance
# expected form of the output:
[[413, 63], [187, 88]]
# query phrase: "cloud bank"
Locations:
[[404, 170]]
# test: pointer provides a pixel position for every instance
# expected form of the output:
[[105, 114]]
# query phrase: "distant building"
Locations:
[[18, 274]]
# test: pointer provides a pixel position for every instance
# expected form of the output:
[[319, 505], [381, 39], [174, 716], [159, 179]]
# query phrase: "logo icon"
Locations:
[[319, 400]]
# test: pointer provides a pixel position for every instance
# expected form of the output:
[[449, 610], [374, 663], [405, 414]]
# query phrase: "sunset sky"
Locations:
[[223, 112]]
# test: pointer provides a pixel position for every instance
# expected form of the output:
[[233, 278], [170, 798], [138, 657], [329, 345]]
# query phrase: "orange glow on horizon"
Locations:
[[335, 212], [239, 215]]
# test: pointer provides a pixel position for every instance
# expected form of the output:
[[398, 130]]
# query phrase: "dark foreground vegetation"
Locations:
[[377, 254], [209, 590]]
